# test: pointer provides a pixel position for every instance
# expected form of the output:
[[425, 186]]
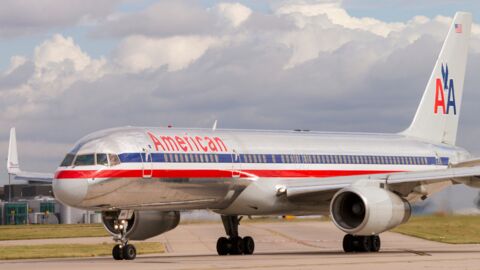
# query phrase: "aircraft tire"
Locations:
[[348, 243], [248, 245], [365, 243], [129, 252], [236, 246], [117, 253], [375, 243], [223, 246]]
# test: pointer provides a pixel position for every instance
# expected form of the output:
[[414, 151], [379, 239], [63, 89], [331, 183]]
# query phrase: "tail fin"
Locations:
[[12, 160], [437, 115]]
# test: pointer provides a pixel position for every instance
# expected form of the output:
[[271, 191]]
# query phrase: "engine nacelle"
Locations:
[[367, 210], [143, 224]]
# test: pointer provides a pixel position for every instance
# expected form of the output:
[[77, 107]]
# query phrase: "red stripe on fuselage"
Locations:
[[73, 174]]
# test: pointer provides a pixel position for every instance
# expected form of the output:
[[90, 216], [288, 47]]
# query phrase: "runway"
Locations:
[[279, 245]]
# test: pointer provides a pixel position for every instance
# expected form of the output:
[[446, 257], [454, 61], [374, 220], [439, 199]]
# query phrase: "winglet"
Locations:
[[12, 161]]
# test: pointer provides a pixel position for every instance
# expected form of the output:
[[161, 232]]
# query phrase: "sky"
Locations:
[[68, 68]]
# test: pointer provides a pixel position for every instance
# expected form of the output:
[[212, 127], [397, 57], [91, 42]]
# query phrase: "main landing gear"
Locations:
[[123, 250], [234, 244], [359, 243]]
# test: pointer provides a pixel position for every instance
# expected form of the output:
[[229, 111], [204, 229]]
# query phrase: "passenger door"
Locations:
[[147, 164], [236, 164]]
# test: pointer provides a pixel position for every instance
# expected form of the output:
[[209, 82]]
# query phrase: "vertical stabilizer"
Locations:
[[437, 115], [12, 160]]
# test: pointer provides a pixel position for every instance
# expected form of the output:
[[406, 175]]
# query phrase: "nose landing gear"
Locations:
[[234, 244], [123, 250]]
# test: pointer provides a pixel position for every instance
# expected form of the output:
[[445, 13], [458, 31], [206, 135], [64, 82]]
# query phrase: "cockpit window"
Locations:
[[114, 160], [68, 160], [85, 160], [102, 159]]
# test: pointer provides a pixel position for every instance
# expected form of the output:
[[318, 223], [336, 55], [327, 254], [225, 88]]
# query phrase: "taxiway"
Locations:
[[279, 245]]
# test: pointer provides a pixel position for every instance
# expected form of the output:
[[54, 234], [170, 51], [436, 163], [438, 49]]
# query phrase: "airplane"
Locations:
[[141, 178]]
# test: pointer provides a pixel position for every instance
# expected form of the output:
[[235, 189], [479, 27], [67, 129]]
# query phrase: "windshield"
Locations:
[[102, 159], [114, 160], [68, 160], [85, 160]]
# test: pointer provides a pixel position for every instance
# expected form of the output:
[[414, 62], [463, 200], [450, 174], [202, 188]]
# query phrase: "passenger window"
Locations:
[[85, 160], [68, 160], [102, 159], [114, 160]]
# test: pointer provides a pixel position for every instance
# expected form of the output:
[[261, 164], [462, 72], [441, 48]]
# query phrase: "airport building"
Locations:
[[33, 203]]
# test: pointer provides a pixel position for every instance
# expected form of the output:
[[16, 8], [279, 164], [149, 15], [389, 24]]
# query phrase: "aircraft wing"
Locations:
[[33, 177], [467, 172], [13, 166]]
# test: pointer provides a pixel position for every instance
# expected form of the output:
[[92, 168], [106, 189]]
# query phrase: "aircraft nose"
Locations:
[[70, 191]]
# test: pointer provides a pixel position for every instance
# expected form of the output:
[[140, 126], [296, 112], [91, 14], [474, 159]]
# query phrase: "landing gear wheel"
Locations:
[[375, 243], [222, 246], [117, 253], [348, 245], [236, 246], [365, 243], [129, 252], [361, 243], [248, 245]]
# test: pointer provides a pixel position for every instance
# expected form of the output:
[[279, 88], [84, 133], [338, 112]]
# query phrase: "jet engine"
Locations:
[[368, 210], [143, 224]]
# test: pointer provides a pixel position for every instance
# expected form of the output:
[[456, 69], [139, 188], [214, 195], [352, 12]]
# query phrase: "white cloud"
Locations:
[[54, 56], [235, 13], [15, 62], [57, 64], [139, 53], [337, 15]]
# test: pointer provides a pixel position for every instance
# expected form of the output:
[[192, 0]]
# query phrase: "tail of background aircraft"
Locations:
[[12, 160], [437, 115], [13, 167]]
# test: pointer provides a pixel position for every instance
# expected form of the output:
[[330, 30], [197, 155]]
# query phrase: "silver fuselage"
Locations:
[[233, 171]]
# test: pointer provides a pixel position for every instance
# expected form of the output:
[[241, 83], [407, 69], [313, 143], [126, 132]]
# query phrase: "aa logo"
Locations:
[[444, 88]]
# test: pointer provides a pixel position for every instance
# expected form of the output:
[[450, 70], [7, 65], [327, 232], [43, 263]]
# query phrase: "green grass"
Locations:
[[22, 232], [71, 250], [446, 229]]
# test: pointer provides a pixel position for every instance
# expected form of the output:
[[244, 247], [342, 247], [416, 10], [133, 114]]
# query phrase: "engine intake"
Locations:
[[368, 210], [143, 224]]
